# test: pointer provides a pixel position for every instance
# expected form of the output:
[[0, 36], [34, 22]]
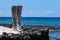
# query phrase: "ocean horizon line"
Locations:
[[46, 17]]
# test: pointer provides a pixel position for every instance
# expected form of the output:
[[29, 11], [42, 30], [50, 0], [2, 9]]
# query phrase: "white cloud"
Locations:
[[53, 14], [41, 13], [30, 12], [49, 12]]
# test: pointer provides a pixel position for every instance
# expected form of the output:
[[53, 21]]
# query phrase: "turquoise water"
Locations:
[[52, 21]]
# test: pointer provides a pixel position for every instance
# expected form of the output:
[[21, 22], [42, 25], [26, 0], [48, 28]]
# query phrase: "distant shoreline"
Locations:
[[32, 26]]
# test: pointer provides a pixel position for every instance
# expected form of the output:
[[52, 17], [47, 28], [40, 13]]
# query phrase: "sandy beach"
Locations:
[[7, 30]]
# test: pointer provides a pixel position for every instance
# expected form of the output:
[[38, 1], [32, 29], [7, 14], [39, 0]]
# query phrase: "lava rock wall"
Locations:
[[24, 36]]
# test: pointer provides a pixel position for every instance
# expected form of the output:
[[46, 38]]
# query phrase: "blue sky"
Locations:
[[31, 8]]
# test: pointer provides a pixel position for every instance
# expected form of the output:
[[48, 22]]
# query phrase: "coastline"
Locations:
[[31, 26], [28, 27], [28, 32]]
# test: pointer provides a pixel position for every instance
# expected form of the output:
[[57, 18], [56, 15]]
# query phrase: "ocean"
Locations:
[[50, 21]]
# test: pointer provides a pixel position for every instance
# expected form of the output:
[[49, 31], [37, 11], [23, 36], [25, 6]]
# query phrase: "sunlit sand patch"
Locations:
[[7, 30]]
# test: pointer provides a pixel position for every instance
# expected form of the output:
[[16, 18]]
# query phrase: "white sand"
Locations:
[[7, 30]]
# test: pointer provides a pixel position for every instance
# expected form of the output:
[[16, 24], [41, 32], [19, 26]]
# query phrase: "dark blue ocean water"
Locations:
[[53, 21]]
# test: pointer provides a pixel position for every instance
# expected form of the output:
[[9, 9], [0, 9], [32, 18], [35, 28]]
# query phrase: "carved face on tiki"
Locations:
[[19, 9]]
